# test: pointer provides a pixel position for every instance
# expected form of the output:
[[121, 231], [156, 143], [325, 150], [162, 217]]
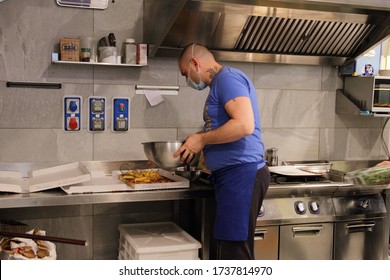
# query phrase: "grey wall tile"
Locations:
[[128, 145], [293, 144], [39, 108], [269, 101], [304, 108], [345, 121], [350, 144], [123, 18], [278, 76], [330, 79], [30, 145], [182, 110], [159, 71], [27, 42]]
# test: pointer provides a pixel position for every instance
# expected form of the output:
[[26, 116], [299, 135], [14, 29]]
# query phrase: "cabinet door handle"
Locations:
[[313, 228], [260, 234], [306, 231], [361, 227]]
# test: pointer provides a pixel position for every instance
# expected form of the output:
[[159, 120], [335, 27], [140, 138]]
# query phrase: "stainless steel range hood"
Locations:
[[273, 31]]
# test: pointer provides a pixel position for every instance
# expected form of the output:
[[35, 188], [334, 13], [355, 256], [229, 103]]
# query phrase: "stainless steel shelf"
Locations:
[[96, 63]]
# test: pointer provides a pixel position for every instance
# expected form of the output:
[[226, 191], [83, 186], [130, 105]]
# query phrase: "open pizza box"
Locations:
[[176, 181], [101, 183], [44, 179]]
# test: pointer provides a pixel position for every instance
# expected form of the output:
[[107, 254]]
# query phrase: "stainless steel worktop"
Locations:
[[57, 197], [197, 190]]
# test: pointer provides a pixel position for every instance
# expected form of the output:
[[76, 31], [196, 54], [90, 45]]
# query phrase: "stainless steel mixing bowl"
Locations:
[[191, 173], [161, 153]]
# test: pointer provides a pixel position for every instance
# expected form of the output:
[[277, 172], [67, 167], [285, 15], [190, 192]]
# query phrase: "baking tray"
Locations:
[[178, 182]]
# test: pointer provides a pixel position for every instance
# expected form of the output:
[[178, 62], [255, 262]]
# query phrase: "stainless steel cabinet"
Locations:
[[266, 243], [359, 240], [306, 242]]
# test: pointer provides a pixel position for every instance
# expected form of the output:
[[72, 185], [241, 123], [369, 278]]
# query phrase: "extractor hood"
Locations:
[[272, 31]]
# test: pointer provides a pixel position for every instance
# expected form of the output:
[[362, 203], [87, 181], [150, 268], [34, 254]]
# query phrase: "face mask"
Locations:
[[198, 86]]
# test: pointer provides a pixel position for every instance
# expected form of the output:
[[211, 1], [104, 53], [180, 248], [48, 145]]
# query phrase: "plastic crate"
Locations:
[[156, 241]]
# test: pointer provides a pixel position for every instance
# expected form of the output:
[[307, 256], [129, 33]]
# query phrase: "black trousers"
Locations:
[[244, 250]]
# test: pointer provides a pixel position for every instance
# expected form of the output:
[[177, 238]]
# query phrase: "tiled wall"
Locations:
[[297, 103]]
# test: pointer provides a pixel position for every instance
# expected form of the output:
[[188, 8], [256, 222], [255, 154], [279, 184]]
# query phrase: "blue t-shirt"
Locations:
[[227, 84]]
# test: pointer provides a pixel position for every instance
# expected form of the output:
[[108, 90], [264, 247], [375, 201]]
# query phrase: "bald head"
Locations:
[[200, 60], [196, 50]]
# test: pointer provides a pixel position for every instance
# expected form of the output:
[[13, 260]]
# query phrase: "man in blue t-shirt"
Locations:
[[233, 149]]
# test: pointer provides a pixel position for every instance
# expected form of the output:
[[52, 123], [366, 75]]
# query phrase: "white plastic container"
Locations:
[[156, 241], [108, 54], [129, 52]]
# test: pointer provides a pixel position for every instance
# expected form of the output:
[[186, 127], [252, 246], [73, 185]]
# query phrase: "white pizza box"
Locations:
[[99, 183], [178, 182], [57, 176], [11, 181]]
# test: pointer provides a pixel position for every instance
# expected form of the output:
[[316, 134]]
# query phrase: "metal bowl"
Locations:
[[161, 153], [192, 174]]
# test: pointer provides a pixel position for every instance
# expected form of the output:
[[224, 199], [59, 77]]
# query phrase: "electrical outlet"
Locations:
[[97, 113], [72, 113], [120, 115]]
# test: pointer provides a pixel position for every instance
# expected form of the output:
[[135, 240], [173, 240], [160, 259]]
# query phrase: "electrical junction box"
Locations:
[[120, 113], [72, 113], [97, 113]]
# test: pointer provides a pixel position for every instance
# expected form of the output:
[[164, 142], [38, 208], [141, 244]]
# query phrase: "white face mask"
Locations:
[[198, 86]]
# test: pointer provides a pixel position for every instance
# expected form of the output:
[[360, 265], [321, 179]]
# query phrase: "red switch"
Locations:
[[73, 124]]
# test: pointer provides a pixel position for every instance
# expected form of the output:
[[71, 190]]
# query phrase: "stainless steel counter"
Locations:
[[57, 197]]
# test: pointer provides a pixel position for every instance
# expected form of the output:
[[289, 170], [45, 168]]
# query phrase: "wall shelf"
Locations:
[[345, 106], [96, 63]]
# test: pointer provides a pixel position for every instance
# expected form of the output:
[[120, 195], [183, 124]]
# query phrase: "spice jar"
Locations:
[[85, 54]]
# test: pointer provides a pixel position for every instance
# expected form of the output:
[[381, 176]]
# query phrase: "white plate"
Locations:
[[290, 171]]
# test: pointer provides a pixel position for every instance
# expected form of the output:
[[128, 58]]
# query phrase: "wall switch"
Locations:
[[97, 113], [72, 113], [120, 115]]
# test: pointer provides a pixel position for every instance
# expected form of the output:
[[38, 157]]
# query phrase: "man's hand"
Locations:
[[191, 146]]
